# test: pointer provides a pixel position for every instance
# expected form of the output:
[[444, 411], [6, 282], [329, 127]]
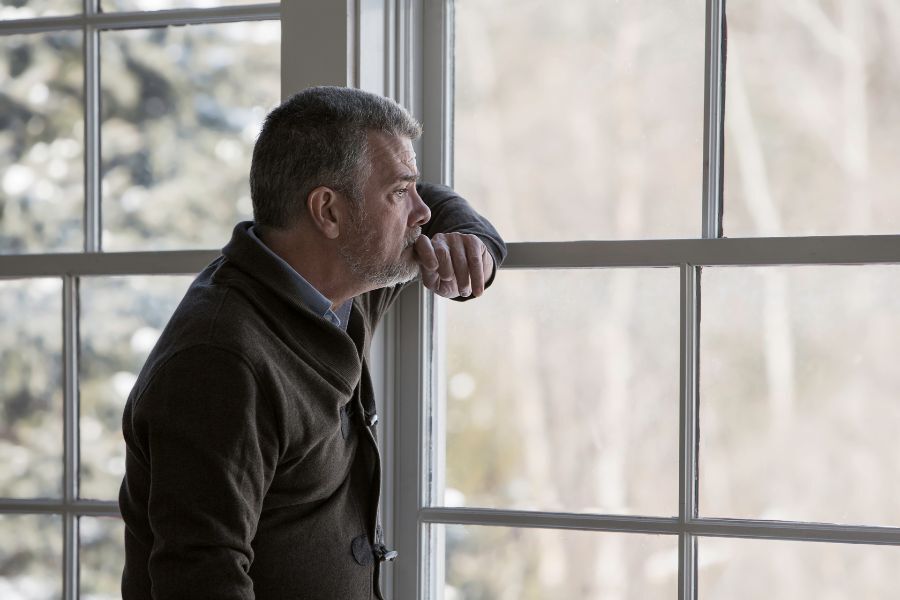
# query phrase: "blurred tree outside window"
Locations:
[[178, 104], [41, 143], [30, 9]]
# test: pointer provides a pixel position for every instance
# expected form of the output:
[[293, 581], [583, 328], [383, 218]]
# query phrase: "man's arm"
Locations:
[[453, 222], [210, 443], [459, 250]]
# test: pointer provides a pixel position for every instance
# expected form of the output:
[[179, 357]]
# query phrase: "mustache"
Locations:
[[412, 237]]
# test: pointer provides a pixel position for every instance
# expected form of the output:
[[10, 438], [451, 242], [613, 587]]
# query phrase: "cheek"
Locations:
[[396, 231], [392, 230], [385, 242]]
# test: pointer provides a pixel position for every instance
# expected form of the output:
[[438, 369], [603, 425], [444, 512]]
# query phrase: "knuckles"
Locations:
[[461, 260], [455, 239]]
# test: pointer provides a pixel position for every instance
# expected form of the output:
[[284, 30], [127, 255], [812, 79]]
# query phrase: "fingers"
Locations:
[[442, 250], [487, 262], [454, 264], [430, 278], [429, 254], [439, 275], [425, 255], [460, 264], [475, 251]]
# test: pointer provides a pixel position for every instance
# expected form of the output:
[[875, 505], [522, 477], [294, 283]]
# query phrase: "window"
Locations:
[[701, 405], [579, 431], [114, 115]]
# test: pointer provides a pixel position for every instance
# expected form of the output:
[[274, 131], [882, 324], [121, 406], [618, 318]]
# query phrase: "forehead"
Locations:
[[391, 154]]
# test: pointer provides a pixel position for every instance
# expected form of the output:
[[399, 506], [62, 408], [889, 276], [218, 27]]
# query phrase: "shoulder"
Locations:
[[210, 328]]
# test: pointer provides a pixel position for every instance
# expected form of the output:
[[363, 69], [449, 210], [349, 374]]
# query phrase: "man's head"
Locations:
[[334, 171], [319, 137]]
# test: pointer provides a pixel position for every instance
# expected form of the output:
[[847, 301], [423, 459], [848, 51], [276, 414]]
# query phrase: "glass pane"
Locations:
[[500, 563], [31, 434], [30, 557], [799, 386], [29, 9], [178, 127], [812, 130], [560, 131], [101, 558], [752, 569], [121, 319], [111, 5], [561, 393], [41, 143]]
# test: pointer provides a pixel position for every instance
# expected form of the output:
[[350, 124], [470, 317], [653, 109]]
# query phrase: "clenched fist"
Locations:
[[454, 264]]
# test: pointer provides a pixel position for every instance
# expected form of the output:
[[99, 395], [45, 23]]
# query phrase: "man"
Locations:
[[252, 469]]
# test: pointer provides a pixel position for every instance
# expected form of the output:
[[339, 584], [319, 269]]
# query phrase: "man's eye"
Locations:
[[401, 191]]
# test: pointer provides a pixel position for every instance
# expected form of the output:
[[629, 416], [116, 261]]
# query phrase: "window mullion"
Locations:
[[92, 224], [687, 566], [437, 92], [410, 484], [92, 243], [435, 431], [689, 430], [70, 556], [713, 119], [70, 437]]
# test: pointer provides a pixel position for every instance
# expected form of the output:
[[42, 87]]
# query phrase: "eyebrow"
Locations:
[[407, 176]]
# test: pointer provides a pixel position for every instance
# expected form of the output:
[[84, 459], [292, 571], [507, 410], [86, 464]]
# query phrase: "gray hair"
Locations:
[[318, 137]]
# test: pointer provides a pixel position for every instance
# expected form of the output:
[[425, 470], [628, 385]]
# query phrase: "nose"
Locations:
[[420, 213]]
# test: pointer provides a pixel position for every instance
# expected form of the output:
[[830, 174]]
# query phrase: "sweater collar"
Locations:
[[303, 289], [251, 256], [253, 259]]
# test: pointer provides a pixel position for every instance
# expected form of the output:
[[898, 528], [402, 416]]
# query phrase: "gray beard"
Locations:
[[358, 252]]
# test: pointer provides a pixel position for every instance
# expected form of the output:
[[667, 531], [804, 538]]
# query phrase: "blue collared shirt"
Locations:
[[308, 294]]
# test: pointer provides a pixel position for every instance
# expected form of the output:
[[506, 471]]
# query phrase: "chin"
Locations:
[[407, 273], [389, 275]]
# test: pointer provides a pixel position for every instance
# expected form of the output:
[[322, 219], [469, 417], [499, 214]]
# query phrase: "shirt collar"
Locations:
[[306, 292]]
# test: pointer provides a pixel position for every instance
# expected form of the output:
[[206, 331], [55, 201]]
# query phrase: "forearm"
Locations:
[[450, 212]]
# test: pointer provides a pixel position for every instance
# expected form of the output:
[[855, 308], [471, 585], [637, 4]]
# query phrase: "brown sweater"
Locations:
[[251, 471]]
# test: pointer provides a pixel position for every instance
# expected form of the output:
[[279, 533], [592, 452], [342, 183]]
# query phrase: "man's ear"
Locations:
[[326, 210]]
